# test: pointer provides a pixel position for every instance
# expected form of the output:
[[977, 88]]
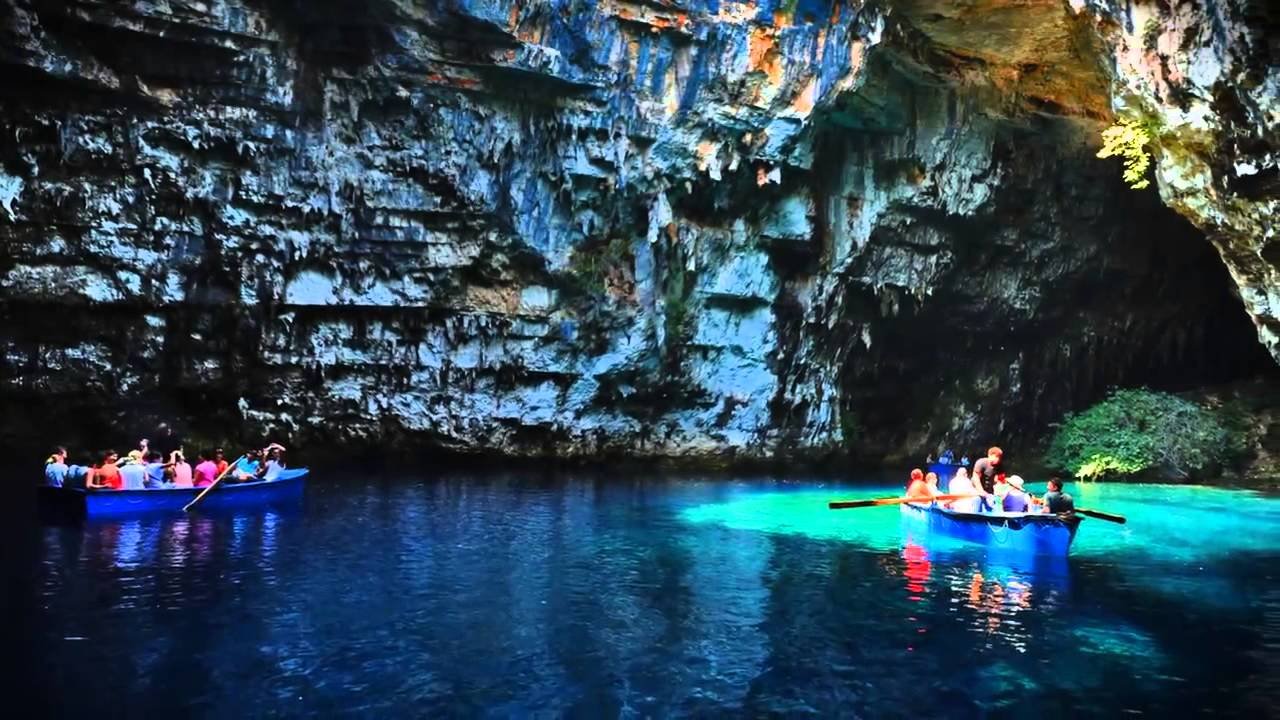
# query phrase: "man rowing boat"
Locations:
[[987, 472]]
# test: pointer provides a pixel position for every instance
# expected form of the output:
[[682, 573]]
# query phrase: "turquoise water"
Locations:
[[1168, 522], [541, 595]]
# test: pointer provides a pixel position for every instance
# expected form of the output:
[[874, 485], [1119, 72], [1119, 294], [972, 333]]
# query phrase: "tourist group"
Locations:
[[147, 469], [987, 489]]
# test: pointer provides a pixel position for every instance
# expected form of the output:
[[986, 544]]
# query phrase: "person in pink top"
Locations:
[[181, 470], [206, 471]]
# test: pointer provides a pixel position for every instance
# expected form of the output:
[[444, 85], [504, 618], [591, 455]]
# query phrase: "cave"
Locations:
[[699, 237]]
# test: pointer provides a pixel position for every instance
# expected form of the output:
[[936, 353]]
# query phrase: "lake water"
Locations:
[[526, 595]]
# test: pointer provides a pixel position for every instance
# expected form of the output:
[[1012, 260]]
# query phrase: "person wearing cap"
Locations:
[[1016, 499]]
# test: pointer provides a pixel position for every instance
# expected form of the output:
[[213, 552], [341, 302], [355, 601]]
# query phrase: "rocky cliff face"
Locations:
[[1204, 76], [697, 229]]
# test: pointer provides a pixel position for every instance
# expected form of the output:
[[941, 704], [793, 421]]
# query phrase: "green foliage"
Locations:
[[1102, 466], [1140, 432], [1128, 139]]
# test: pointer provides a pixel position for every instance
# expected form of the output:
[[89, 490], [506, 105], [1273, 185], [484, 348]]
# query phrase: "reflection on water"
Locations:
[[510, 596]]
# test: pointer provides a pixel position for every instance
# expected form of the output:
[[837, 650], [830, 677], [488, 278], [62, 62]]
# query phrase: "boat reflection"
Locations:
[[991, 592]]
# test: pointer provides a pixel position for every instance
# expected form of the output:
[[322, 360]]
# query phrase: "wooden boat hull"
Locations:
[[116, 503], [1020, 533]]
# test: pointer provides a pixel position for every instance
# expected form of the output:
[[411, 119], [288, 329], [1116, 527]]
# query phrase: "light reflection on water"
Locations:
[[512, 596]]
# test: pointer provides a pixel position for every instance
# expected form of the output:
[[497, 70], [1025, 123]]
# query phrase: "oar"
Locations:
[[212, 485], [849, 504], [1120, 519]]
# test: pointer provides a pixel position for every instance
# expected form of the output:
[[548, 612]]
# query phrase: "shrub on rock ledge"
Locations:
[[1137, 433]]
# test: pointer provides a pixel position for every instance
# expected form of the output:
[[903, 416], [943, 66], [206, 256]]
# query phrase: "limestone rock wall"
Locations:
[[688, 228], [1204, 76]]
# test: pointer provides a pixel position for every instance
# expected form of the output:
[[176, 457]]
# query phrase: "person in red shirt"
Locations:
[[106, 476], [221, 460]]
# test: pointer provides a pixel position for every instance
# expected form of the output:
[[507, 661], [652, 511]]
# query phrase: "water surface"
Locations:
[[517, 595]]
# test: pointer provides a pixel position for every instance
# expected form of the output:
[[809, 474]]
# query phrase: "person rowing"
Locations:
[[987, 473]]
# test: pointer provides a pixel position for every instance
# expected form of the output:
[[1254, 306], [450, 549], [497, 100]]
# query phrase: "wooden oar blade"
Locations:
[[1119, 519], [874, 502]]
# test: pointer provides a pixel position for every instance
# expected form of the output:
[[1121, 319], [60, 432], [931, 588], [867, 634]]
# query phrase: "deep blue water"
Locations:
[[519, 595]]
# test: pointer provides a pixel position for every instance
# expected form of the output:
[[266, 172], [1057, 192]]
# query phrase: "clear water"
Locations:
[[536, 596]]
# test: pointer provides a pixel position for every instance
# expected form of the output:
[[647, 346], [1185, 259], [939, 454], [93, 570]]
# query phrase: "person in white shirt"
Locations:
[[962, 485]]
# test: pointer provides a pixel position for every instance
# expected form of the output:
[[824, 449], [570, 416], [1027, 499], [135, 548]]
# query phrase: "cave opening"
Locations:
[[1066, 285]]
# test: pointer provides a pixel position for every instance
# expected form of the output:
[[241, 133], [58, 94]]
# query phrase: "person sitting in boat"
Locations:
[[1056, 501], [922, 486], [962, 485], [180, 469], [275, 462], [206, 470], [965, 461], [1016, 499], [106, 475], [220, 459], [58, 473], [947, 457], [246, 468], [156, 471], [133, 473], [55, 468], [916, 486]]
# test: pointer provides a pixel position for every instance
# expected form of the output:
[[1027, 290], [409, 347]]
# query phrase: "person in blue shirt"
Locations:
[[133, 474], [59, 473], [247, 467], [55, 468], [155, 468], [1016, 500]]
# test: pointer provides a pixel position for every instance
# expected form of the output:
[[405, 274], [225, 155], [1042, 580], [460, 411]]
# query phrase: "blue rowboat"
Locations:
[[1019, 533], [227, 495]]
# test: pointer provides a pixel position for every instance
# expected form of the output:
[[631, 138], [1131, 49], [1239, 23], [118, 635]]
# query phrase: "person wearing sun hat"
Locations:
[[1016, 500]]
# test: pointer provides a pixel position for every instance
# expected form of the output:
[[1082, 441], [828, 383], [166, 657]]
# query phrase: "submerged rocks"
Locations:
[[691, 229]]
